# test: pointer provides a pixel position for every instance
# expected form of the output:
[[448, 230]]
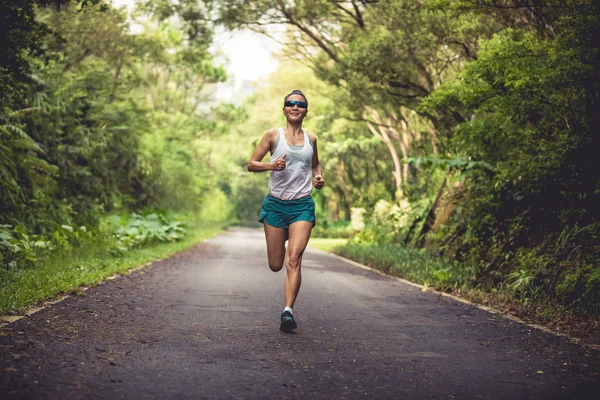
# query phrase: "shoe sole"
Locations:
[[288, 327]]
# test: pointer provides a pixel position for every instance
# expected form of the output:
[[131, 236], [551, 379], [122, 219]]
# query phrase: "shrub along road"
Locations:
[[204, 324]]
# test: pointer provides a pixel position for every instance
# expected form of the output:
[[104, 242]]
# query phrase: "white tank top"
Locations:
[[295, 181]]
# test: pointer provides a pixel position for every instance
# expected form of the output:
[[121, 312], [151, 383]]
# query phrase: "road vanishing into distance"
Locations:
[[204, 324]]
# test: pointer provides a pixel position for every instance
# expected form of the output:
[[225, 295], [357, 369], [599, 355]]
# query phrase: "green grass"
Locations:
[[414, 265], [92, 264], [326, 244]]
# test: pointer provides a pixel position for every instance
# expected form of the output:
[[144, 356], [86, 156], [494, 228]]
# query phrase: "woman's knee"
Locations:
[[275, 267], [292, 259]]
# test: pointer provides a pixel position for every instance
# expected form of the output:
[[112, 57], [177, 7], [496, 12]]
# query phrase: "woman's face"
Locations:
[[295, 113]]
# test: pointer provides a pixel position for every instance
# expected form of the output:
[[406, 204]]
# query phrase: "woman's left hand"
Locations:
[[318, 182]]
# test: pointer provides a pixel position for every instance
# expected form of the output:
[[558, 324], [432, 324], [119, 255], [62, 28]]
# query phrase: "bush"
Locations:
[[20, 249], [138, 230], [335, 230], [579, 289]]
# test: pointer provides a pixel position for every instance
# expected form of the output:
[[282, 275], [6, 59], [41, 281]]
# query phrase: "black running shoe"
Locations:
[[287, 322]]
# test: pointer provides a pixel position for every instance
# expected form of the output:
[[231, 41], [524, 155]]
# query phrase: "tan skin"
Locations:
[[299, 232]]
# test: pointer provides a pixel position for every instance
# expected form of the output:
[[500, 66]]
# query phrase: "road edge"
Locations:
[[490, 310], [6, 320]]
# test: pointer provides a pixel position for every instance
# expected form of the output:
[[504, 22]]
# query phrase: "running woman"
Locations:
[[288, 211]]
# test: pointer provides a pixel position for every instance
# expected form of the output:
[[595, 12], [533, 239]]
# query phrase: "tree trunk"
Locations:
[[430, 220], [111, 97], [345, 196], [383, 135]]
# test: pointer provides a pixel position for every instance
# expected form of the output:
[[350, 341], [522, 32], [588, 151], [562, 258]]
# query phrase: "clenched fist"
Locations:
[[318, 182], [279, 164]]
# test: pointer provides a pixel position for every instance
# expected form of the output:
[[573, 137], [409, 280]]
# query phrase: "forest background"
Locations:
[[458, 139]]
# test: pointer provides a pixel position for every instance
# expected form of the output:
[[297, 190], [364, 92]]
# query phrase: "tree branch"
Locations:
[[308, 32]]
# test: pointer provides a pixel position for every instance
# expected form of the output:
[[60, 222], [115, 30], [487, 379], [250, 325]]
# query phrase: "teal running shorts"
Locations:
[[282, 213]]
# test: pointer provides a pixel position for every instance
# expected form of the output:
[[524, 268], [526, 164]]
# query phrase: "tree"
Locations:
[[388, 55], [534, 106]]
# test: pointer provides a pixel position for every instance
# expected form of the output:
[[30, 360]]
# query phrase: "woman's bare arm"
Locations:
[[255, 164], [317, 170]]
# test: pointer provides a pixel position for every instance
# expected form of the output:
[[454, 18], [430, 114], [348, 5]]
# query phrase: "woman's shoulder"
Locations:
[[312, 137], [271, 134]]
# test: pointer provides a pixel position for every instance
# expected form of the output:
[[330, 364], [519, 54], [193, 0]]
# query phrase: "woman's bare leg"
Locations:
[[299, 235], [275, 246]]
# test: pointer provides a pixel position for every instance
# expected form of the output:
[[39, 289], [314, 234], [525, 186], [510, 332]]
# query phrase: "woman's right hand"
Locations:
[[279, 164]]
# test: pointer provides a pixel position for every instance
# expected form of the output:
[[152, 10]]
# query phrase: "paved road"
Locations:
[[204, 324]]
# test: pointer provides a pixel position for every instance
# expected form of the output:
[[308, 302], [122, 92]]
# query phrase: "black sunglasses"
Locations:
[[292, 103]]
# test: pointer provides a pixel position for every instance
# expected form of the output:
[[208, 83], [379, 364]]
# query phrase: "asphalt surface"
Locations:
[[204, 324]]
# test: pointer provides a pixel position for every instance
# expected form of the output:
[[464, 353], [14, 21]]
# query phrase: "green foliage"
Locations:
[[461, 164], [19, 249], [66, 171], [19, 160], [326, 244], [415, 265], [332, 230], [82, 144], [531, 101], [142, 230], [87, 264], [579, 289], [216, 206], [249, 196], [392, 222], [98, 120]]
